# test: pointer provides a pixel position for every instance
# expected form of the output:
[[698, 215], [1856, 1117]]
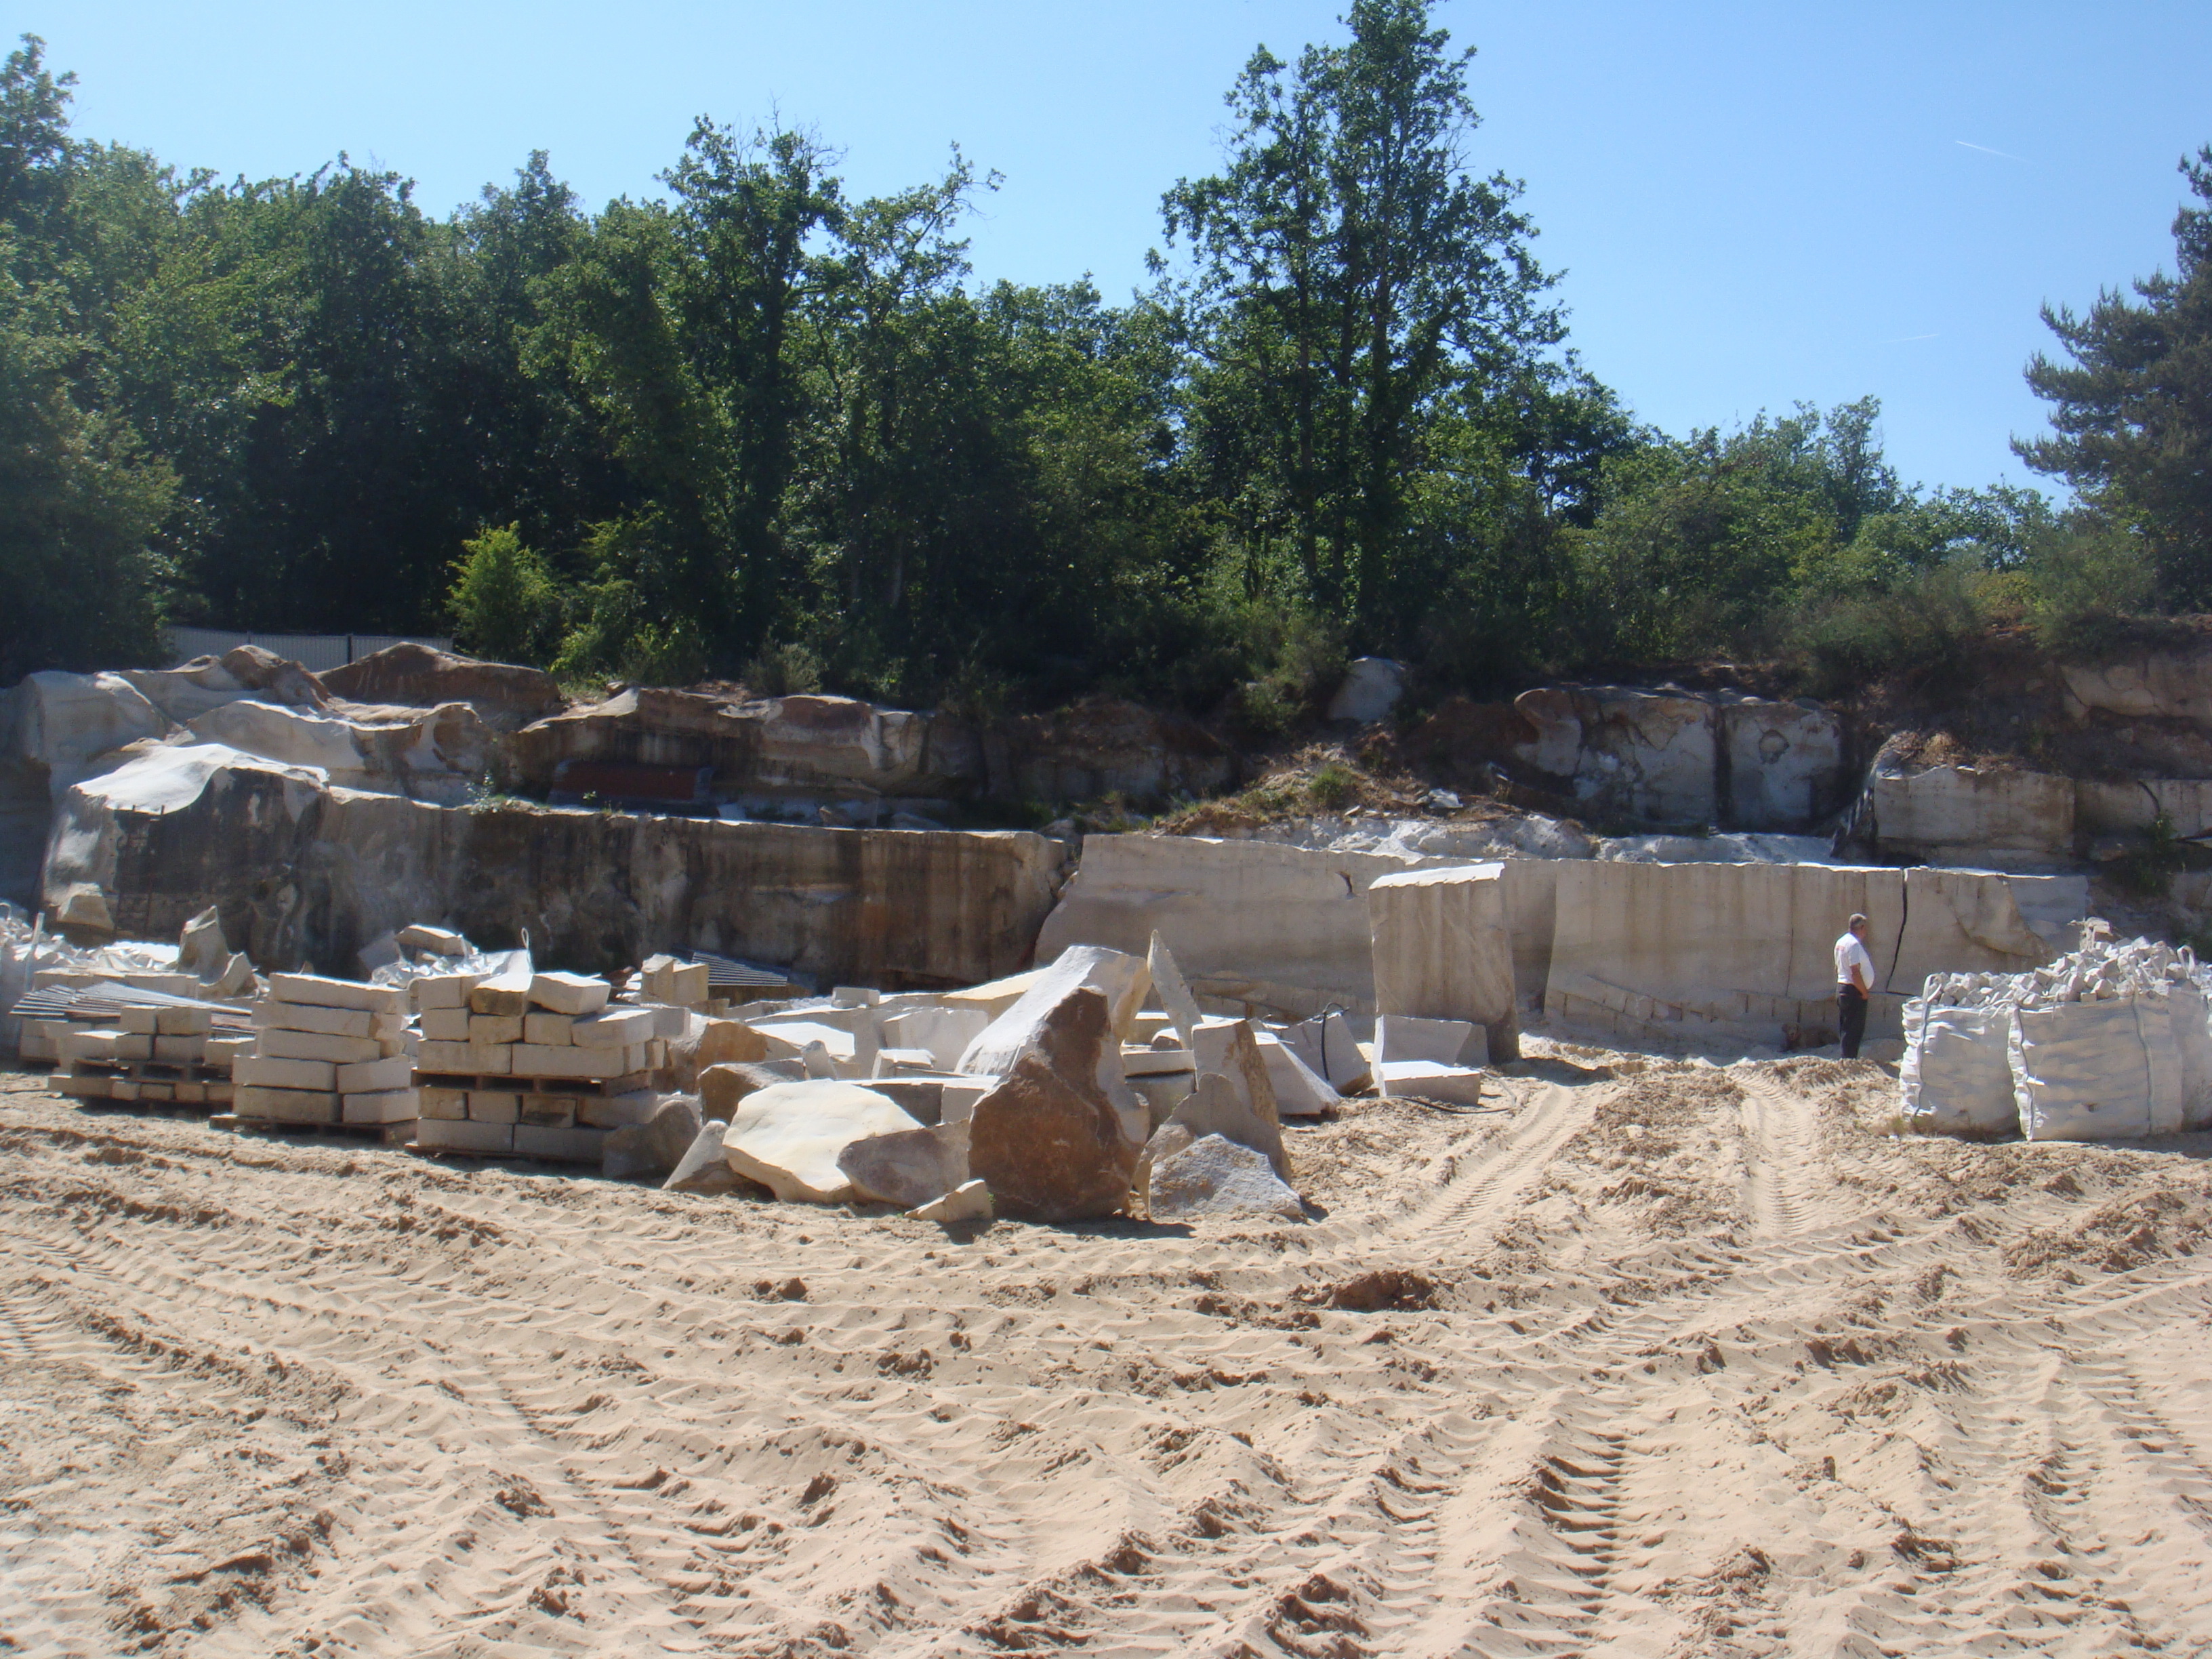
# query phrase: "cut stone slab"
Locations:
[[1116, 975], [569, 994], [369, 1077], [503, 993], [1172, 990], [276, 1043], [278, 1105], [443, 990], [1447, 1041], [969, 1201], [262, 1071], [655, 1147], [1298, 1092], [384, 1106], [1428, 1080], [1214, 1176], [1050, 1140], [617, 1028], [438, 941], [1444, 950], [338, 993], [617, 1111], [703, 1168], [944, 1032], [910, 1167], [441, 1134], [788, 1136], [270, 1014]]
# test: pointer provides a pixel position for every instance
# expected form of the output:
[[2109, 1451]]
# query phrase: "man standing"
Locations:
[[1854, 985]]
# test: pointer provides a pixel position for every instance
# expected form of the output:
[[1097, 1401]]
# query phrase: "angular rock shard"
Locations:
[[788, 1136], [1172, 989], [721, 1087], [702, 1168], [1051, 1139], [910, 1167], [969, 1201], [1120, 977]]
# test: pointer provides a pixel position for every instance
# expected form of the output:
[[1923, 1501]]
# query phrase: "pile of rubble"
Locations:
[[2111, 1041]]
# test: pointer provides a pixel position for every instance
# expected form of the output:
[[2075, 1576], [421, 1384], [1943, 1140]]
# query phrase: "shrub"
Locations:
[[1331, 786], [504, 603], [784, 671]]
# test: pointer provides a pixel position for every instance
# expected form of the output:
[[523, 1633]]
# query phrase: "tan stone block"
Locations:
[[278, 1043], [182, 1022], [549, 1111], [285, 1105], [138, 1022], [381, 1106], [463, 1059], [336, 993], [549, 1030], [495, 1028], [561, 1145], [493, 1106], [451, 1104], [270, 1014], [445, 1024], [376, 1076], [443, 990], [569, 994], [265, 1072], [443, 1133]]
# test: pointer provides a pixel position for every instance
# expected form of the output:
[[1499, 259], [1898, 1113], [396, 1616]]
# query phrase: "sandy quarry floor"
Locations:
[[1711, 1367]]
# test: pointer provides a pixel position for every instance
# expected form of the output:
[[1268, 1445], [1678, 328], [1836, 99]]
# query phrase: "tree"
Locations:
[[504, 602], [1351, 277], [2132, 412]]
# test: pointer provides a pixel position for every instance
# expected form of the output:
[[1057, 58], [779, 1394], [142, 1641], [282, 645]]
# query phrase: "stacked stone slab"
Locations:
[[328, 1051], [154, 1055], [532, 1065], [677, 984]]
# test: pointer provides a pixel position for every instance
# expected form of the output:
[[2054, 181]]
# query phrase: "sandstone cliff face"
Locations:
[[305, 873]]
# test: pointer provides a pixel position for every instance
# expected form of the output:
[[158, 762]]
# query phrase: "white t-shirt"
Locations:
[[1851, 953]]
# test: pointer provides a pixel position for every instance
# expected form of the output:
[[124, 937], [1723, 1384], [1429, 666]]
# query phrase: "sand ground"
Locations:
[[1659, 1359]]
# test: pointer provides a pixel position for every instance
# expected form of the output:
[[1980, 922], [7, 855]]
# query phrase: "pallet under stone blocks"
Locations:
[[162, 1057], [532, 1065]]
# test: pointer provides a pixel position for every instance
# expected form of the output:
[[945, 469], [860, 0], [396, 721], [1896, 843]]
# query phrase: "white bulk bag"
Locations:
[[2192, 1036], [2097, 1071], [1957, 1074]]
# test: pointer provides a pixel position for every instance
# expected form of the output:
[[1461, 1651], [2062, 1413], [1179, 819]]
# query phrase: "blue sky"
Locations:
[[1753, 204]]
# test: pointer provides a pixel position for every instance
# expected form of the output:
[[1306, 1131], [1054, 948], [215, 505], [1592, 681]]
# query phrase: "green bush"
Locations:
[[1923, 632], [504, 603], [2086, 578], [784, 671], [1331, 786]]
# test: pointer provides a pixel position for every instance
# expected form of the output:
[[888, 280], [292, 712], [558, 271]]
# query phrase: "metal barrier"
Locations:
[[316, 652]]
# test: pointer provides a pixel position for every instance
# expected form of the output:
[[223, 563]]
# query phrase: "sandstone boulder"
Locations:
[[1052, 1141], [655, 1147], [1213, 1176], [907, 1167], [788, 1136]]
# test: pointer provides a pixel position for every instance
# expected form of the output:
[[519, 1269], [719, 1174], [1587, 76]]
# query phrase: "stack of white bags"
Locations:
[[2108, 1044]]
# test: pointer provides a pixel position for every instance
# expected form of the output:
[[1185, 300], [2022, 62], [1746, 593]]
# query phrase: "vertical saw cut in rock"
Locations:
[[1052, 1140], [788, 1136], [1444, 950]]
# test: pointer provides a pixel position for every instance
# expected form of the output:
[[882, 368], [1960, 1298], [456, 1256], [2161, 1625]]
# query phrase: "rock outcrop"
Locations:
[[505, 696], [301, 870], [1103, 746], [1994, 815]]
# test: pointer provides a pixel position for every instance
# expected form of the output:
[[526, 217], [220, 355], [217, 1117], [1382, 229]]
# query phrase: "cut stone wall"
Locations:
[[303, 873]]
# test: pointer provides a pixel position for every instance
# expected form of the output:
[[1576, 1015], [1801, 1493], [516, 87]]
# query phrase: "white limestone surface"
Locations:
[[1443, 948]]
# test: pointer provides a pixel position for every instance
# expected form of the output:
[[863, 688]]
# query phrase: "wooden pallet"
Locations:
[[630, 1083], [148, 1082], [375, 1134]]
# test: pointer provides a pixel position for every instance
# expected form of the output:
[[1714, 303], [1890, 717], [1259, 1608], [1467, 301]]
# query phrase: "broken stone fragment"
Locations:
[[1215, 1176], [721, 1087], [1117, 975], [707, 1042], [1216, 1107], [655, 1147], [1245, 1108], [910, 1166], [702, 1168], [1052, 1139], [788, 1136], [969, 1201], [1172, 990]]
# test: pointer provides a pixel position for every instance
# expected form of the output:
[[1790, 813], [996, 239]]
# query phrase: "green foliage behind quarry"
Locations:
[[755, 426]]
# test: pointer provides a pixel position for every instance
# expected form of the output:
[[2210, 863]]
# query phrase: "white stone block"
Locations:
[[267, 1072], [271, 1014], [465, 1136], [463, 1059], [493, 1106], [376, 1076], [183, 1022], [1429, 1080], [547, 1030], [384, 1106], [338, 993], [445, 1024], [569, 994], [276, 1043], [1444, 950], [495, 1028], [135, 1021], [285, 1105], [451, 1104], [617, 1028], [443, 990]]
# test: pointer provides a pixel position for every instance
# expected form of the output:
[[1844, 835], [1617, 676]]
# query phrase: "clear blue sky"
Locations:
[[1753, 204]]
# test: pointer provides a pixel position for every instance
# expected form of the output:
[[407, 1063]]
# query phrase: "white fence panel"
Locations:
[[316, 652]]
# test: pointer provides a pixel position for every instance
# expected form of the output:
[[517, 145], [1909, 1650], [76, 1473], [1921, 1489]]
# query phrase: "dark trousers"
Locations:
[[1851, 1018]]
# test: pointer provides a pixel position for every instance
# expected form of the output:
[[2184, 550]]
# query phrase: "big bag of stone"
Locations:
[[2110, 1043]]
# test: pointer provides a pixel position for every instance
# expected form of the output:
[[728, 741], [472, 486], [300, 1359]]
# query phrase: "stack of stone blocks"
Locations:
[[328, 1051], [534, 1064], [153, 1054]]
